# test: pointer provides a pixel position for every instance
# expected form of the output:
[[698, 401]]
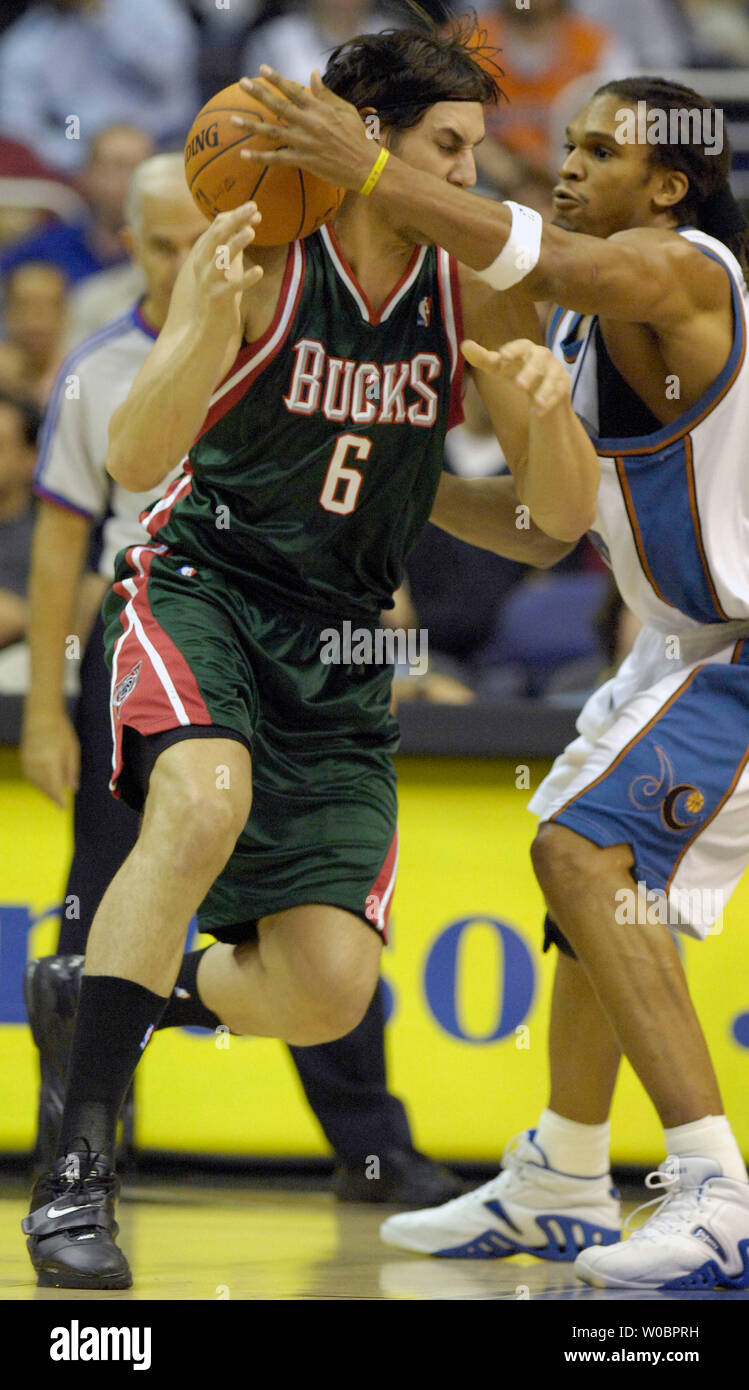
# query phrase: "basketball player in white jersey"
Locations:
[[646, 260]]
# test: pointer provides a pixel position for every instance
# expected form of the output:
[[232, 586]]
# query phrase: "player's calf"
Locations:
[[309, 979]]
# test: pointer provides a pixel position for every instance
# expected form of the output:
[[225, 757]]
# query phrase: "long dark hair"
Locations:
[[708, 202], [402, 72]]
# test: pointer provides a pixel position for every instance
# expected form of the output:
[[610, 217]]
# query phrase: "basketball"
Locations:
[[293, 203]]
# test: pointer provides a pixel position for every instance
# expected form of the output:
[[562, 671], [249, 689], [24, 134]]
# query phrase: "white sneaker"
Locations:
[[529, 1208], [698, 1238]]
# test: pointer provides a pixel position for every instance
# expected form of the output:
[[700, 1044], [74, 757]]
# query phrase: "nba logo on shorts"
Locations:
[[126, 687], [424, 312]]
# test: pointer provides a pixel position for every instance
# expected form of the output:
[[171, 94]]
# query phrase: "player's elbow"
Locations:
[[122, 472], [131, 468], [565, 528]]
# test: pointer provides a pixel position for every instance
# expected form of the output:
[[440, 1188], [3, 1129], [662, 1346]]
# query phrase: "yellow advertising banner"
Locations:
[[468, 988]]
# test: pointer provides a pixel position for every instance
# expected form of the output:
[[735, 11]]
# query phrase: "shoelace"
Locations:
[[673, 1209], [492, 1187], [77, 1187]]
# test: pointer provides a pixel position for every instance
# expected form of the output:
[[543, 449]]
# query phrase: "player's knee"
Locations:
[[206, 819], [323, 1023], [560, 857], [331, 1008]]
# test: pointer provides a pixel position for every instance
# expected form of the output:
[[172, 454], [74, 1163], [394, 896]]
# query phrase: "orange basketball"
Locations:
[[293, 203]]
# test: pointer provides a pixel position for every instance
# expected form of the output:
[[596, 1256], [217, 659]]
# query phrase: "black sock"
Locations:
[[185, 1008], [115, 1019]]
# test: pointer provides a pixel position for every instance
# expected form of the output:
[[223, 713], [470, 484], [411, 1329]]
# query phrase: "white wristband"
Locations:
[[520, 254]]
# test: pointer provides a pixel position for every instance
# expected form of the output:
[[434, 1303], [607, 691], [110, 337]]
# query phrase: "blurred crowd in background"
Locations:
[[90, 88]]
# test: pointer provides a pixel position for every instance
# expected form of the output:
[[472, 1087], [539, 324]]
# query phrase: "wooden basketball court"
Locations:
[[241, 1243]]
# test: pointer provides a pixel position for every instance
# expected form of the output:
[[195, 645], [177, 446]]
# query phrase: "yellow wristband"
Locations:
[[375, 172]]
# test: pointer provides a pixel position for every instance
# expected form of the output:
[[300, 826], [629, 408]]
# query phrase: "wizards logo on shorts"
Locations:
[[680, 804], [125, 687]]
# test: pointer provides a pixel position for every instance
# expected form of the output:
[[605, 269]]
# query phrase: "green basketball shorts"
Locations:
[[191, 656]]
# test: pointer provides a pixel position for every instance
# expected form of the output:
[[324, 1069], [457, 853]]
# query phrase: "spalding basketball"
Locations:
[[293, 203]]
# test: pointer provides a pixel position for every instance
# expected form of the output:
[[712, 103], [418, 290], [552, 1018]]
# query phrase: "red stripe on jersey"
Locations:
[[262, 352], [380, 895], [359, 294], [160, 513], [452, 317], [164, 693]]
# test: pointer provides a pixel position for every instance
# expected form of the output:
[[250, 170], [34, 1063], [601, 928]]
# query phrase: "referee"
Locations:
[[82, 513]]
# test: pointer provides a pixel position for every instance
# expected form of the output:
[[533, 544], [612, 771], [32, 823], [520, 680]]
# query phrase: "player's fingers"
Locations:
[[73, 766], [279, 105], [514, 355], [51, 781], [530, 378], [293, 91], [250, 277], [283, 155], [227, 223], [235, 284], [225, 252], [255, 125], [240, 240], [323, 93], [553, 390], [479, 357]]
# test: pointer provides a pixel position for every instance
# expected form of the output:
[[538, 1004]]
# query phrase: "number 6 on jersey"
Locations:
[[338, 472]]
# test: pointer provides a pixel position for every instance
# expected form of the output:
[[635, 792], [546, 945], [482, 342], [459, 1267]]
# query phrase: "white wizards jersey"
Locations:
[[673, 502], [70, 471]]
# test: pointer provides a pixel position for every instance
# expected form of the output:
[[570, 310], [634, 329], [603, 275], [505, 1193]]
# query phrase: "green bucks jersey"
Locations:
[[320, 456]]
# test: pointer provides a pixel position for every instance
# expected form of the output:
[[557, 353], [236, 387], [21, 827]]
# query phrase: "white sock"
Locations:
[[711, 1137], [581, 1150]]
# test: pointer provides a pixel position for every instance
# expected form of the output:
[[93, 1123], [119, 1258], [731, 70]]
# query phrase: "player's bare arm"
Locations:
[[157, 423], [527, 396], [50, 753], [644, 276], [487, 513], [557, 477], [494, 319]]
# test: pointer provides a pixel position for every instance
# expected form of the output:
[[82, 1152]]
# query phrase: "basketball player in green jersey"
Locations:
[[313, 388]]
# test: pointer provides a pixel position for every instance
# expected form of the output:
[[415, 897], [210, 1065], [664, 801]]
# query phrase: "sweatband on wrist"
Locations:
[[375, 172], [519, 256]]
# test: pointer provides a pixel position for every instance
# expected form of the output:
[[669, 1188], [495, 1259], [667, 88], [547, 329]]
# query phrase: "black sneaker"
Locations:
[[404, 1177], [71, 1226], [51, 989]]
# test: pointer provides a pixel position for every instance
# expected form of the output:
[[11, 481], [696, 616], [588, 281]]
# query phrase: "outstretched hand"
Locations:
[[533, 369], [320, 131]]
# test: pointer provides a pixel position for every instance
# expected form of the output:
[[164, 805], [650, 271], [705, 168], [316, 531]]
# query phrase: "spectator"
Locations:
[[31, 355], [70, 65], [30, 192], [543, 49], [99, 298], [19, 424], [294, 44], [720, 30], [81, 248], [653, 29], [222, 33]]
